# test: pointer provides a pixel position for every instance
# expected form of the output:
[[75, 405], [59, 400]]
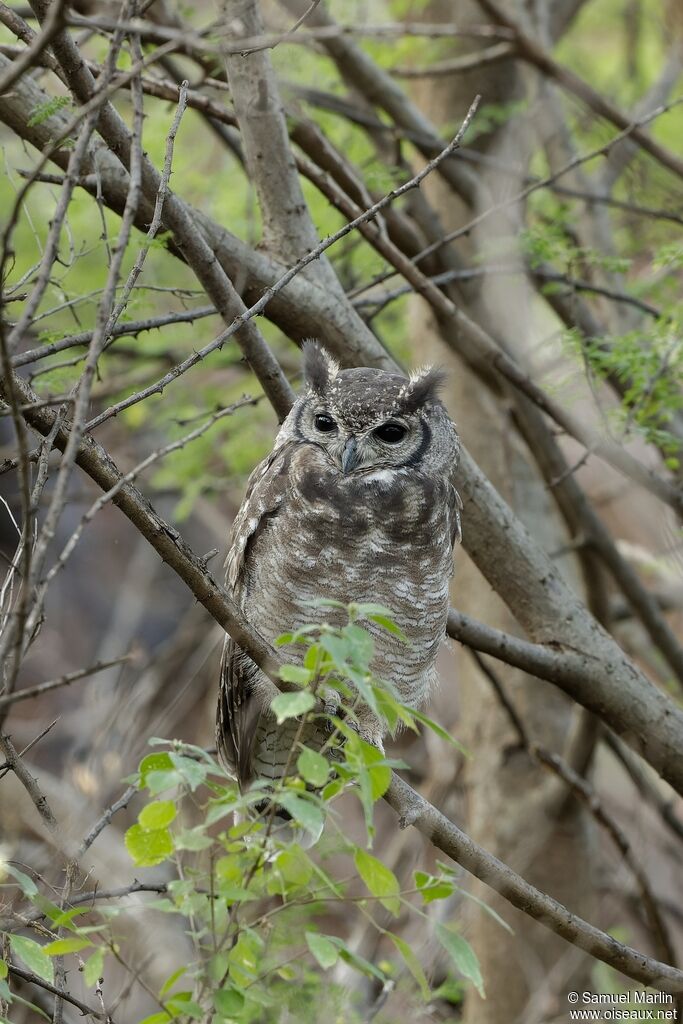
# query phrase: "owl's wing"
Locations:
[[454, 510], [238, 713], [266, 487], [238, 707]]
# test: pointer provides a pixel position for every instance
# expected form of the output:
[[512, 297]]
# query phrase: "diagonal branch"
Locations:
[[411, 807], [447, 837]]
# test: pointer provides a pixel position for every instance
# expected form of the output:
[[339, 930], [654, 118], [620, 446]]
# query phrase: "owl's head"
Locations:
[[369, 420]]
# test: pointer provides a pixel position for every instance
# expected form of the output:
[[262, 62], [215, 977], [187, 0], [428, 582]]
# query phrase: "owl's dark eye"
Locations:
[[391, 433], [324, 423]]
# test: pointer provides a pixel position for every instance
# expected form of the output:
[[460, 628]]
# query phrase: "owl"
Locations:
[[354, 503]]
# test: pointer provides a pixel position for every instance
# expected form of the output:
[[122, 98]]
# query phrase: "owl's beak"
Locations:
[[350, 455]]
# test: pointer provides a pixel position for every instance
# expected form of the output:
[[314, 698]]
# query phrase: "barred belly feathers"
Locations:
[[354, 503]]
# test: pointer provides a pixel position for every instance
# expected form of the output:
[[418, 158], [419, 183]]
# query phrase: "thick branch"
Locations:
[[412, 808], [360, 72], [288, 231], [447, 837]]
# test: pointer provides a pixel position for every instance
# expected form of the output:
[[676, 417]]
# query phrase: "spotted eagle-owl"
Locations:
[[354, 503]]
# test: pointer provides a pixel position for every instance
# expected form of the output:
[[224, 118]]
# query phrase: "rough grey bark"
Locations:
[[288, 232]]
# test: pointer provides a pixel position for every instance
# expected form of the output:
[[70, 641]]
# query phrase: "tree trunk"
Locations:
[[515, 809]]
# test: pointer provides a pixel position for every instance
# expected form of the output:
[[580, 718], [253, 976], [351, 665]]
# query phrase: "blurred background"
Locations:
[[573, 261]]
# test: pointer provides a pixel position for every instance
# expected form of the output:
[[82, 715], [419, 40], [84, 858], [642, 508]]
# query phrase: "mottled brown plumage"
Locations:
[[354, 503]]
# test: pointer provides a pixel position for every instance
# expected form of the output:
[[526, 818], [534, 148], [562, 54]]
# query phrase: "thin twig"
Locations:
[[286, 36], [30, 784], [53, 684], [104, 820], [33, 979]]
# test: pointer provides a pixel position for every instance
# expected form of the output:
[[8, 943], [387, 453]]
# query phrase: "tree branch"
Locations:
[[413, 809]]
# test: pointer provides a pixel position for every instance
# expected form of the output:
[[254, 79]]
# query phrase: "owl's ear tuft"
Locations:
[[319, 367], [423, 388]]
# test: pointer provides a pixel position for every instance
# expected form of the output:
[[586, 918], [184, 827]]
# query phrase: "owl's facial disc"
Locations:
[[375, 444]]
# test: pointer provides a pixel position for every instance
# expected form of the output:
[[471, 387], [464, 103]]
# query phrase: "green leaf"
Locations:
[[61, 946], [192, 772], [379, 879], [94, 968], [234, 893], [157, 815], [306, 813], [229, 1002], [463, 956], [489, 910], [332, 789], [432, 888], [13, 997], [294, 865], [313, 767], [361, 645], [335, 888], [45, 110], [413, 965], [4, 970], [34, 957], [64, 918], [26, 884], [380, 780], [193, 839], [148, 847], [182, 1004], [154, 763], [387, 623], [314, 658], [323, 949], [365, 611], [359, 962], [244, 958], [338, 650], [451, 990], [164, 906], [159, 782], [296, 674], [170, 981], [220, 809], [291, 705]]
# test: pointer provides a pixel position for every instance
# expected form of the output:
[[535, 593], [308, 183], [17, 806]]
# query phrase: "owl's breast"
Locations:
[[398, 503], [380, 538]]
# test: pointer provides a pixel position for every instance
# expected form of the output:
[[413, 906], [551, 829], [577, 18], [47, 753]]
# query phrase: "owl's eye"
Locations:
[[324, 423], [391, 433]]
